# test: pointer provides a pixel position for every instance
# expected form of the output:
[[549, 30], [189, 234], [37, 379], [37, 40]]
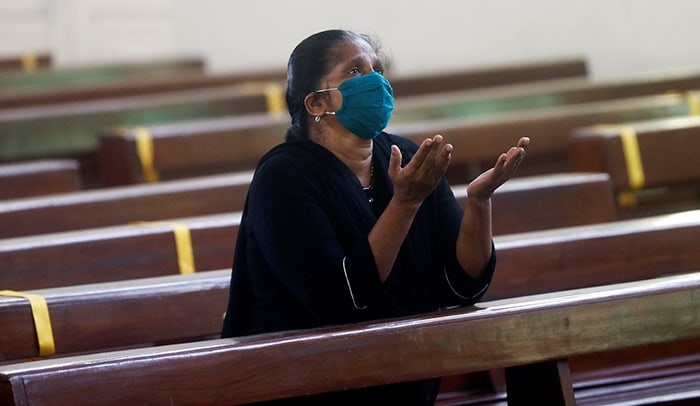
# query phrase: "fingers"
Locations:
[[432, 151], [394, 161], [523, 142]]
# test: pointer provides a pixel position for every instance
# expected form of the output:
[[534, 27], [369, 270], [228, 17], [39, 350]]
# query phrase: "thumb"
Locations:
[[394, 161]]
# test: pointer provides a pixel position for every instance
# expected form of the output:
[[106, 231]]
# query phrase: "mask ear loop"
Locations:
[[330, 89]]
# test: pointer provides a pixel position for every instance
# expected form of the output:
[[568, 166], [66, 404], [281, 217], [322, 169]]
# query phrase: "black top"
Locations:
[[303, 259]]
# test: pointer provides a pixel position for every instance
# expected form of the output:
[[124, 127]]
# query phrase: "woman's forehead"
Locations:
[[355, 49]]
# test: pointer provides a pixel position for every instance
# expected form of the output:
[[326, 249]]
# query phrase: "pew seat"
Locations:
[[38, 178], [97, 254], [522, 335]]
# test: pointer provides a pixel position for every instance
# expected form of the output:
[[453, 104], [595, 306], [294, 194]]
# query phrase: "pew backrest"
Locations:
[[84, 75], [139, 312], [187, 149], [489, 76], [38, 178], [124, 205]]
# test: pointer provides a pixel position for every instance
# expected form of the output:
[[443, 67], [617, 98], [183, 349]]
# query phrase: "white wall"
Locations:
[[618, 37]]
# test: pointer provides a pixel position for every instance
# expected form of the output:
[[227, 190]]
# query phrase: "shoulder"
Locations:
[[295, 164]]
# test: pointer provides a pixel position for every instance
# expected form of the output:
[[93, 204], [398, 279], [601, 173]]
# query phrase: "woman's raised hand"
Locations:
[[415, 181], [506, 165]]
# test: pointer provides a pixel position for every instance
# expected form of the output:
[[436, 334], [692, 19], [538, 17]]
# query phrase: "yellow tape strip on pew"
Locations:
[[693, 103], [42, 321], [29, 62], [144, 149], [633, 162], [274, 98], [183, 244]]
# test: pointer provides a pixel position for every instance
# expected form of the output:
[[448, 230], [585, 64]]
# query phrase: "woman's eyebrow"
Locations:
[[359, 60]]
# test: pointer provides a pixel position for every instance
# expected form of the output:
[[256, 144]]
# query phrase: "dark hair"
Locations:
[[309, 62]]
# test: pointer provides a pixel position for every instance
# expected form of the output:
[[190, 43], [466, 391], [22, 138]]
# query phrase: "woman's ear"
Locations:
[[315, 103]]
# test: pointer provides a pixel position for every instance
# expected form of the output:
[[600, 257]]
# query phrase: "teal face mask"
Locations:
[[368, 101]]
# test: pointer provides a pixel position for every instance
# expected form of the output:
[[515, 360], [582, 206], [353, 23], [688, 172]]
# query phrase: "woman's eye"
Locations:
[[354, 71], [379, 70]]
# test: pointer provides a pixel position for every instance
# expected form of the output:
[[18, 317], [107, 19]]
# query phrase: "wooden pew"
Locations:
[[84, 75], [490, 76], [483, 102], [79, 122], [573, 257], [135, 86], [472, 78], [122, 205], [652, 163], [522, 334], [84, 318], [25, 63], [194, 148], [182, 150], [37, 178], [98, 254], [476, 140], [70, 130], [558, 268]]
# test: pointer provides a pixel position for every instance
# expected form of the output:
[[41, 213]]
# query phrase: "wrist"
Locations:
[[408, 205], [477, 198]]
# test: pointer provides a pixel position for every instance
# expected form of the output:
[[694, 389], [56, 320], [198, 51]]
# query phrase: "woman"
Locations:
[[345, 223]]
